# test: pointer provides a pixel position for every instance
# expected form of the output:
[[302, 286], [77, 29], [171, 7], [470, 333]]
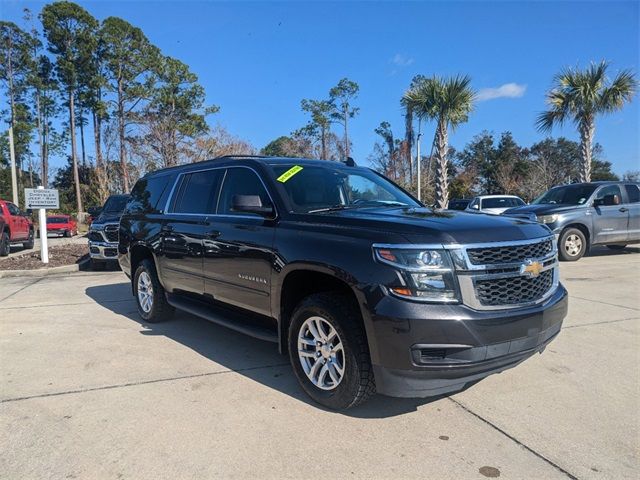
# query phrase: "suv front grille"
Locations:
[[513, 290], [111, 233], [510, 253], [95, 236]]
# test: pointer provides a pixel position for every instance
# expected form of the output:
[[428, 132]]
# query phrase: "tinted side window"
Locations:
[[633, 192], [197, 192], [241, 181], [146, 194]]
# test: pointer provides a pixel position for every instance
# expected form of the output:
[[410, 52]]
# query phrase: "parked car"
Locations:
[[103, 232], [494, 204], [17, 228], [63, 225], [458, 204], [364, 288], [586, 214]]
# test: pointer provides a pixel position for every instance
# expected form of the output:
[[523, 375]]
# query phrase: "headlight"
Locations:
[[96, 227], [547, 218], [428, 273]]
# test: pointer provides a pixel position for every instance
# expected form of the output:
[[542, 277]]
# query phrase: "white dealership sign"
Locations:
[[46, 198]]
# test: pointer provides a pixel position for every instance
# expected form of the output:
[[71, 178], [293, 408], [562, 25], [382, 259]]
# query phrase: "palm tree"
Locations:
[[448, 101], [581, 95]]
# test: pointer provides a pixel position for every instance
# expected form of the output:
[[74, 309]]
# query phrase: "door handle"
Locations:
[[623, 209], [212, 234]]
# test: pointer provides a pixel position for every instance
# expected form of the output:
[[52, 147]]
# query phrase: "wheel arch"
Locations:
[[583, 228], [303, 280], [138, 253]]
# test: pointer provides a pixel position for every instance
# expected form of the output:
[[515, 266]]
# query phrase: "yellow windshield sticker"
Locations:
[[289, 173]]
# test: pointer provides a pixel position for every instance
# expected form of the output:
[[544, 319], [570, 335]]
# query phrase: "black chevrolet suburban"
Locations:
[[362, 286]]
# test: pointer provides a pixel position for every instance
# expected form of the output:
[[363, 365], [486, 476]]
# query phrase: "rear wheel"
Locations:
[[29, 243], [329, 351], [616, 247], [572, 245], [5, 247], [150, 296], [67, 233]]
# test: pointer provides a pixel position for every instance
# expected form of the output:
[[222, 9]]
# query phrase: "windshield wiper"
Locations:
[[333, 208]]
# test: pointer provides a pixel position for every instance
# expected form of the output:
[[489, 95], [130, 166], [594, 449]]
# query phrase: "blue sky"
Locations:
[[258, 60]]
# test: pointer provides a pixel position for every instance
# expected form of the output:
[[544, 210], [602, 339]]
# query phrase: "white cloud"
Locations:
[[401, 60], [508, 90]]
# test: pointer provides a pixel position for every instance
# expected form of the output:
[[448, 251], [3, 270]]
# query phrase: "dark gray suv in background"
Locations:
[[586, 214]]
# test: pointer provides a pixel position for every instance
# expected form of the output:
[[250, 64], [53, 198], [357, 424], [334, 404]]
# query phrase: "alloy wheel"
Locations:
[[321, 353], [145, 292], [573, 245]]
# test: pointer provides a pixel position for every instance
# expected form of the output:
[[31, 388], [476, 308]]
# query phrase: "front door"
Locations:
[[609, 221], [18, 224], [183, 230], [238, 248]]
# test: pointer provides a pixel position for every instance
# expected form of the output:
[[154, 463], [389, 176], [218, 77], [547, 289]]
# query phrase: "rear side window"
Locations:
[[197, 192], [633, 192], [241, 181], [147, 193]]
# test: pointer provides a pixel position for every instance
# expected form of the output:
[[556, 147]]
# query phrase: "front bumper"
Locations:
[[103, 251], [428, 350]]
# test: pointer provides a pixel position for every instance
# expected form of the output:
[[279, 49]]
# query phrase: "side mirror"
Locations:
[[94, 211], [28, 212], [250, 204]]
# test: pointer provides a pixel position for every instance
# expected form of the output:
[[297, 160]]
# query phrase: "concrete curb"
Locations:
[[44, 272]]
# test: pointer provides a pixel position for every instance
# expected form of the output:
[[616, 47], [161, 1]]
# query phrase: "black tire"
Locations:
[[616, 247], [5, 246], [97, 265], [357, 383], [29, 243], [67, 233], [572, 245], [160, 309]]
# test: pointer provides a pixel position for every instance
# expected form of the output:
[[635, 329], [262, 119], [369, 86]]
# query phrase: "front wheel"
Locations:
[[5, 246], [572, 245], [150, 297], [30, 242], [329, 351]]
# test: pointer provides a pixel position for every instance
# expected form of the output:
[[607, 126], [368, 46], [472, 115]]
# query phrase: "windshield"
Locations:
[[313, 189], [57, 220], [576, 194], [504, 202], [115, 204]]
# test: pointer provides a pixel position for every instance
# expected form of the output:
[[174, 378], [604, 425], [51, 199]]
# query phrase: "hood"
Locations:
[[542, 208], [108, 217], [421, 225]]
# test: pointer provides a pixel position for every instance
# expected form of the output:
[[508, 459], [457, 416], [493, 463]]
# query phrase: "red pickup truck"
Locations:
[[15, 227]]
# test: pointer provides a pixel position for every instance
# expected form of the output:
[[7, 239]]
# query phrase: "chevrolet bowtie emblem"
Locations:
[[531, 268]]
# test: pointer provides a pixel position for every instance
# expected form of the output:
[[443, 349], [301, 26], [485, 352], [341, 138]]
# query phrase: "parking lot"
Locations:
[[89, 391]]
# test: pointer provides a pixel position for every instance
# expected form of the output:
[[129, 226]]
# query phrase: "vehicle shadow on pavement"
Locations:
[[250, 357], [600, 251]]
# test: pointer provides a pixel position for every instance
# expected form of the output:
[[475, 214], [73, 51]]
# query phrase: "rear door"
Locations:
[[609, 221], [183, 229], [633, 204], [239, 253]]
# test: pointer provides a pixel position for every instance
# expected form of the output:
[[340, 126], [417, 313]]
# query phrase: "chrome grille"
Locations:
[[513, 290], [509, 253], [111, 233]]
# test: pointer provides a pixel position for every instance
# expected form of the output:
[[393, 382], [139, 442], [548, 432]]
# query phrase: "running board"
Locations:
[[226, 318]]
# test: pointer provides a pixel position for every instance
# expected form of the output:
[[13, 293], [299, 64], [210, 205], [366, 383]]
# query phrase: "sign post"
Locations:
[[42, 199]]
